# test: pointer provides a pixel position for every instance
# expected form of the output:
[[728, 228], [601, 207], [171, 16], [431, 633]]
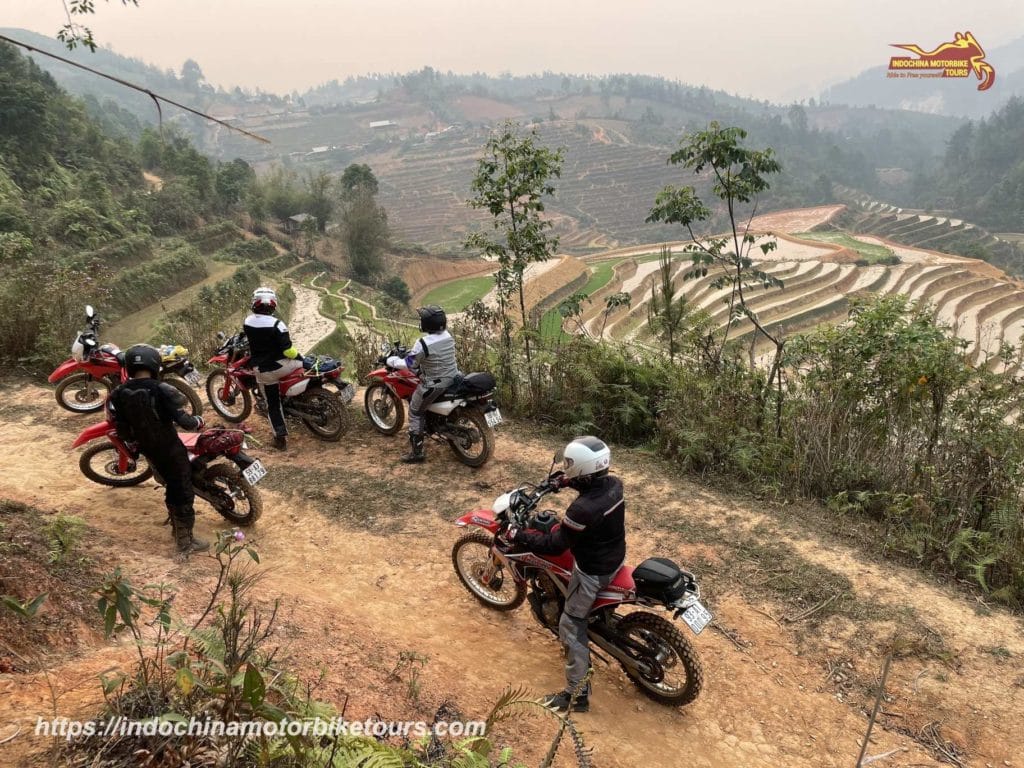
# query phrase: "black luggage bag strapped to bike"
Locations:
[[473, 384], [661, 579]]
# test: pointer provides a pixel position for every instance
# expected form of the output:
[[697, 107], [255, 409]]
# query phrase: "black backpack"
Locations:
[[136, 409]]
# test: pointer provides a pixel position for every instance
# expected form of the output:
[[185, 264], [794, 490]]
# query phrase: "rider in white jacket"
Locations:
[[433, 359]]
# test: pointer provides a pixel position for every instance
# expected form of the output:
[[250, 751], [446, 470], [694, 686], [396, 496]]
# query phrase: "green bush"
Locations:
[[882, 415], [137, 287]]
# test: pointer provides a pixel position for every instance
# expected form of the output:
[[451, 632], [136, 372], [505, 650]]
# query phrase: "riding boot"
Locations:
[[417, 454], [181, 524], [280, 442]]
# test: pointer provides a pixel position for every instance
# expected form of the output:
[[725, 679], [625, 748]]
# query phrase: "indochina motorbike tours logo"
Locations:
[[960, 58]]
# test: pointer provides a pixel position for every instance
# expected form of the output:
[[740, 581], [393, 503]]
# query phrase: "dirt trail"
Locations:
[[358, 545], [307, 326]]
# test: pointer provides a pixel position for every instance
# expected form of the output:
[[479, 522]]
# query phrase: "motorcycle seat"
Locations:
[[322, 363], [470, 385], [623, 581]]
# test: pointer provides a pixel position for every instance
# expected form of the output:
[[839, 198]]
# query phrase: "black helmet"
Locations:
[[142, 357], [432, 319]]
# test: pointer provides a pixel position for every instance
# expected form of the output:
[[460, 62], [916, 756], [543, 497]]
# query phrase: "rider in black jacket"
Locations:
[[594, 530], [145, 411], [273, 355]]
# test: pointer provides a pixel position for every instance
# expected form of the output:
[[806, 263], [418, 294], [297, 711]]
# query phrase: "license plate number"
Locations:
[[254, 472], [493, 418], [192, 377], [697, 617], [346, 393]]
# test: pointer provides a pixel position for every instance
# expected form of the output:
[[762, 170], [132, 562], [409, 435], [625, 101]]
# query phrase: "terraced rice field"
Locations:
[[820, 274]]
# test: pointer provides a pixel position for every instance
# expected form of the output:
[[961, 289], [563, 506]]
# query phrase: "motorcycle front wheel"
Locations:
[[469, 437], [100, 463], [195, 405], [322, 413], [82, 393], [675, 676], [478, 573], [383, 408], [234, 406], [234, 498]]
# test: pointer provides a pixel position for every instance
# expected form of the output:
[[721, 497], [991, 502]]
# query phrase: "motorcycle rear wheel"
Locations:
[[195, 404], [322, 413], [470, 556], [473, 441], [104, 469], [241, 503], [384, 409], [658, 636], [82, 393], [233, 412]]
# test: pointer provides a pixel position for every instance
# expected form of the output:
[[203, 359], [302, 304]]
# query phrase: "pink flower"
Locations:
[[239, 536]]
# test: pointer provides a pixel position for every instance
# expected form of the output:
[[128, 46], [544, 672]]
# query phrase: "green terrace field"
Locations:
[[459, 294], [870, 252]]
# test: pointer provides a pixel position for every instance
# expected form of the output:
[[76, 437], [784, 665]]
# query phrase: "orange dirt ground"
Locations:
[[357, 546]]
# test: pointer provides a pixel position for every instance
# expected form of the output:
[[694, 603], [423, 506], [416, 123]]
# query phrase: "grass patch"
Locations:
[[332, 307], [361, 311], [870, 253], [600, 273], [41, 553], [337, 344], [459, 294], [551, 325]]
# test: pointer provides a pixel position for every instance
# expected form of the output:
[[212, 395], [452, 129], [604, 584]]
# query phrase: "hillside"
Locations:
[[422, 131], [789, 680], [955, 97]]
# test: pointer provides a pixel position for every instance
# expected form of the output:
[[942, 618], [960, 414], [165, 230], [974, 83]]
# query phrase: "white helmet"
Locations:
[[264, 300], [584, 459]]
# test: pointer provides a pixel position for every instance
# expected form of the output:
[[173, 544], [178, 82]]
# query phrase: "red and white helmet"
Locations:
[[264, 300]]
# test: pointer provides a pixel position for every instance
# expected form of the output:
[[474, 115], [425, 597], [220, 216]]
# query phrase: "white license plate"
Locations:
[[346, 393], [493, 418], [254, 472], [697, 617], [192, 377]]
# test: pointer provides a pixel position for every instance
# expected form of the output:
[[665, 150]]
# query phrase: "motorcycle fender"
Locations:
[[218, 360], [68, 366], [89, 434], [444, 408], [297, 388], [242, 459], [481, 518]]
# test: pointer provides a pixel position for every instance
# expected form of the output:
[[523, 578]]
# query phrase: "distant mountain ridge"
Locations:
[[940, 96]]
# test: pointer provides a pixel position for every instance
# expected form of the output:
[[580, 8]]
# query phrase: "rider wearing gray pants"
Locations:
[[433, 358], [594, 530]]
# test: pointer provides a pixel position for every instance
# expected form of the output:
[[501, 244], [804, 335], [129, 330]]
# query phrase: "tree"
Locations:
[[667, 314], [512, 179], [233, 181], [74, 34], [357, 177], [738, 176], [319, 200], [398, 289], [191, 75], [364, 230]]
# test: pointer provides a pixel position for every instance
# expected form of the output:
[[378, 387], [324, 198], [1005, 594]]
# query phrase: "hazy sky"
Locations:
[[776, 50]]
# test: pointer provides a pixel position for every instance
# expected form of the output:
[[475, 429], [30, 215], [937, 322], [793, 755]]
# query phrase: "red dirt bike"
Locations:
[[652, 651], [231, 386], [229, 486], [94, 369], [464, 416]]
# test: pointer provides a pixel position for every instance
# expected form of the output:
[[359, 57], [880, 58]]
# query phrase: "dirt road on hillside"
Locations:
[[357, 546], [307, 326]]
